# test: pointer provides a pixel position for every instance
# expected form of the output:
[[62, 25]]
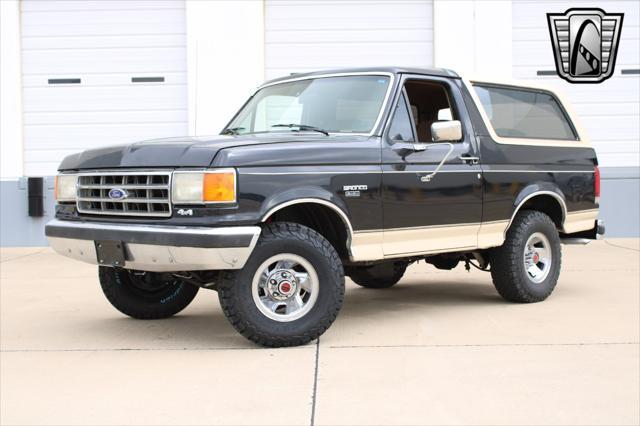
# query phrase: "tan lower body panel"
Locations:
[[428, 239], [366, 245], [378, 244], [580, 221], [491, 234]]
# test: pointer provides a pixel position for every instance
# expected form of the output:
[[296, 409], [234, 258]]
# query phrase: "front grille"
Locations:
[[144, 193]]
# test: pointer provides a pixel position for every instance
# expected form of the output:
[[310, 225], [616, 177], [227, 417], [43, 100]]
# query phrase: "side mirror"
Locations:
[[446, 131]]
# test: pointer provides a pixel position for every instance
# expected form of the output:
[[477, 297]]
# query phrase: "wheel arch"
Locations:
[[317, 211], [547, 199]]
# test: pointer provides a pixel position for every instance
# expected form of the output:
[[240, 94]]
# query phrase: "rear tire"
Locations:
[[289, 291], [144, 295], [525, 269], [382, 275]]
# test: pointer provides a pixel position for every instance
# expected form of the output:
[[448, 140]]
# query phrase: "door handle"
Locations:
[[469, 159]]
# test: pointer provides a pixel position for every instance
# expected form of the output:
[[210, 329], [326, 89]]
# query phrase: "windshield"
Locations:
[[349, 104]]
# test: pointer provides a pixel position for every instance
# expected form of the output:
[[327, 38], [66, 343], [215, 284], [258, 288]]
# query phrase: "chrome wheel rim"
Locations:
[[537, 257], [285, 287]]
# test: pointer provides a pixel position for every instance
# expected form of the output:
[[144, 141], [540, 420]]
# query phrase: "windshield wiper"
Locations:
[[232, 131], [303, 127]]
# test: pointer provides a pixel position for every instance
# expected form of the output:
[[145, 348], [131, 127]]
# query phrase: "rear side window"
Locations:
[[529, 114]]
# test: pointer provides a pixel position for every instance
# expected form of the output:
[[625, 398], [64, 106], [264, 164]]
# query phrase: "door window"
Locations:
[[401, 127], [430, 103]]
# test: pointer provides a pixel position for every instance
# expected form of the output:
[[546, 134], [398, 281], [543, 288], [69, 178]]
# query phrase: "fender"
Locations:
[[535, 189], [307, 195]]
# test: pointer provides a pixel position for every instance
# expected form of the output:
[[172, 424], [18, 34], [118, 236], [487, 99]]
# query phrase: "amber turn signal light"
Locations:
[[219, 187]]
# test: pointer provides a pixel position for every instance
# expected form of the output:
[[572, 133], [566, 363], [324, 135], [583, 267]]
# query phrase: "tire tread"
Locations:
[[505, 273], [137, 308], [271, 233]]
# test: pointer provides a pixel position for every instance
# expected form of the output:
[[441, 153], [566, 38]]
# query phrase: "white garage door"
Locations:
[[98, 73], [609, 110], [311, 35]]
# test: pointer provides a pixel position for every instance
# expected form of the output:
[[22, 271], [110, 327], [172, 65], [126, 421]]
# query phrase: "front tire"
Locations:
[[289, 291], [525, 269], [145, 295]]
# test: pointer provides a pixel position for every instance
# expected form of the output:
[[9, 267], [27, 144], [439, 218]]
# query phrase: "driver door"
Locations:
[[424, 211]]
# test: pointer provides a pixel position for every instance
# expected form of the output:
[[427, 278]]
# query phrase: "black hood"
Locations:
[[170, 152]]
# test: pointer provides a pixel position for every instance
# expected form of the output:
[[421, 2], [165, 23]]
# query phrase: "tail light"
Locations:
[[596, 183]]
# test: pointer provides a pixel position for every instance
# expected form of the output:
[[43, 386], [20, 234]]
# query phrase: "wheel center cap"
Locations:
[[285, 287], [281, 285], [536, 258]]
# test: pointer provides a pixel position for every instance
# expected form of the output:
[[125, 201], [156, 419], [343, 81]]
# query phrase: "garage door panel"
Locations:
[[627, 109], [44, 156], [340, 22], [354, 10], [104, 80], [79, 137], [366, 36], [115, 29], [617, 159], [612, 127], [79, 61], [319, 54], [101, 5], [52, 20], [619, 147], [101, 42], [528, 13], [123, 116], [104, 44], [99, 98], [313, 35]]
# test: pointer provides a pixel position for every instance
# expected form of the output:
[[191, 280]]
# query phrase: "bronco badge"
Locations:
[[585, 43]]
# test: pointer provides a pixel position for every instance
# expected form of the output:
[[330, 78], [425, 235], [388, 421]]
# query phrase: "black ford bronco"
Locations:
[[357, 172]]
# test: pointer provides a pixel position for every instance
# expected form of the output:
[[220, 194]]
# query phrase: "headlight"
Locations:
[[212, 186], [65, 188]]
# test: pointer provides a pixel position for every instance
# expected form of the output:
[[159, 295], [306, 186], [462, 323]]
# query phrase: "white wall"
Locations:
[[225, 59], [473, 36], [11, 154]]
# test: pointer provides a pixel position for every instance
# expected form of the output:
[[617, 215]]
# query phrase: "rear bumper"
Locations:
[[153, 247], [585, 237]]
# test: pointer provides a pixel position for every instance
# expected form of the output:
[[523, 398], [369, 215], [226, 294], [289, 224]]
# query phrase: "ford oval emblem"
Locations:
[[118, 194]]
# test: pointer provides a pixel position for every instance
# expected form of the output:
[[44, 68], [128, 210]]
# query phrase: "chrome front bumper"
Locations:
[[153, 247]]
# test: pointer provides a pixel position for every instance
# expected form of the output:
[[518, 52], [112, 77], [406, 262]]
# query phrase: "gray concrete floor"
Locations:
[[439, 348]]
